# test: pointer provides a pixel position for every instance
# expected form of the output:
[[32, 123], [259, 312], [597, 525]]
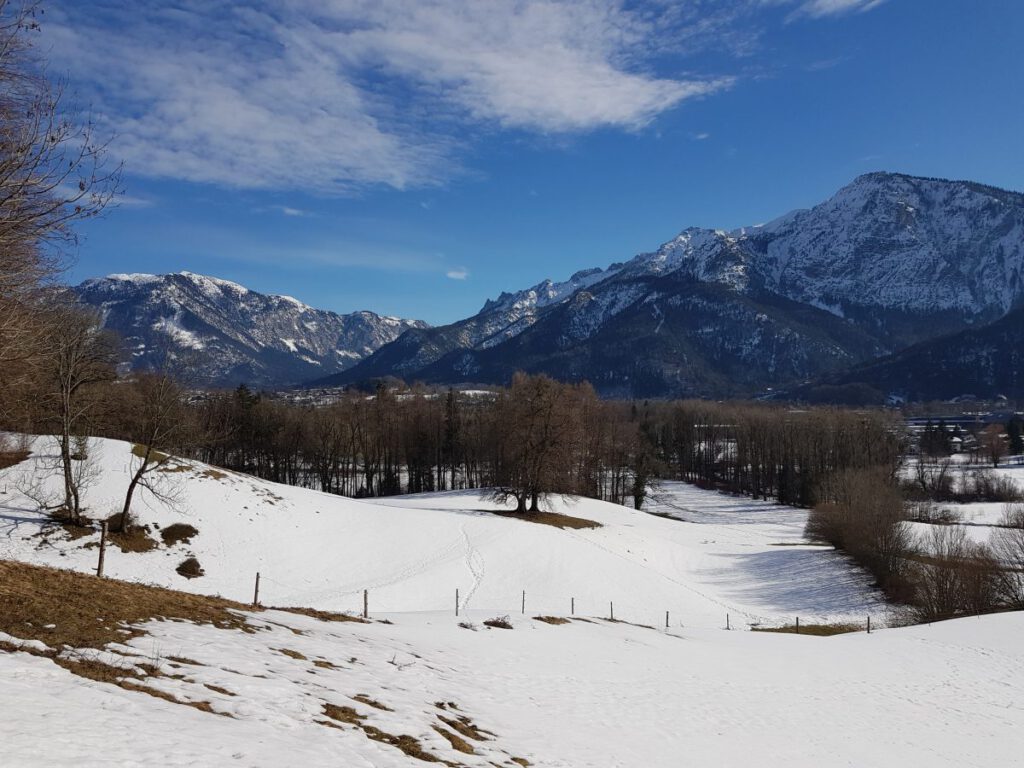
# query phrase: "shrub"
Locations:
[[501, 622], [864, 518], [955, 577]]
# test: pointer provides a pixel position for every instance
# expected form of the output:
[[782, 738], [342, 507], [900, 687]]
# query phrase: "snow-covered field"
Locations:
[[412, 553], [579, 694]]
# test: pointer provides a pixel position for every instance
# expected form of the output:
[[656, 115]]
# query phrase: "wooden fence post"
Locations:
[[572, 606], [798, 625], [366, 604], [256, 592], [456, 602], [103, 548], [611, 611], [869, 624], [524, 602], [727, 621], [666, 619]]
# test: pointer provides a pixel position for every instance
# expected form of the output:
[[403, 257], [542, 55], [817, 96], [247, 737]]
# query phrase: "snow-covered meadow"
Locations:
[[588, 692]]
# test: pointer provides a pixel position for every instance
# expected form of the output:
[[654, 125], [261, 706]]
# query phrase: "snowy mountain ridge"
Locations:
[[241, 335], [888, 261]]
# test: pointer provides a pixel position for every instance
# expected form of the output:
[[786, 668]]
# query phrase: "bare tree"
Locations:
[[52, 176], [1008, 548], [80, 357], [158, 422]]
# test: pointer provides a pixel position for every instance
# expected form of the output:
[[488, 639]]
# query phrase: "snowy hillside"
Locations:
[[272, 688], [238, 334], [412, 553]]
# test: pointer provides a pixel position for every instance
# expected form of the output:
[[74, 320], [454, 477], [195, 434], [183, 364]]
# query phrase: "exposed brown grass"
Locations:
[[292, 654], [87, 612], [178, 533], [816, 630], [135, 538], [407, 744], [548, 518], [10, 458], [551, 619], [458, 743], [362, 698], [322, 615], [466, 727], [190, 568], [66, 610], [501, 622], [325, 664]]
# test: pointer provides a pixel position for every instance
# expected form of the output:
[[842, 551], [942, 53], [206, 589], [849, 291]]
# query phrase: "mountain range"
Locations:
[[227, 334], [889, 261], [890, 268]]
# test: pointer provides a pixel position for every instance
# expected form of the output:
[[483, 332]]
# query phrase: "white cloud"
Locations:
[[461, 273], [287, 210], [702, 136], [820, 8], [332, 95]]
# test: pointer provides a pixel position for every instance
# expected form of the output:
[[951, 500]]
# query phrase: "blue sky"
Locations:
[[415, 158]]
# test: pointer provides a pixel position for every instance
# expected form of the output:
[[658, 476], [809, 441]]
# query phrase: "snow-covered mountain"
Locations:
[[229, 334], [888, 261]]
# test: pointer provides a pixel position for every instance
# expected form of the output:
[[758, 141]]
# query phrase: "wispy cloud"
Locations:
[[287, 210], [702, 136], [332, 95], [461, 273], [821, 8]]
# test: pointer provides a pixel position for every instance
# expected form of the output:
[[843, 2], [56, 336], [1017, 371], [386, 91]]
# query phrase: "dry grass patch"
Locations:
[[134, 538], [407, 744], [362, 698], [323, 615], [87, 612], [178, 533], [548, 518], [466, 727], [11, 458], [190, 568], [218, 689], [292, 654], [501, 622], [551, 619], [325, 664], [458, 744], [816, 630]]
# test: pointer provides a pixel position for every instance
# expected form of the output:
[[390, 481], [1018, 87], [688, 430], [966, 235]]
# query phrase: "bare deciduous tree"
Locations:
[[80, 357], [158, 423], [52, 175]]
